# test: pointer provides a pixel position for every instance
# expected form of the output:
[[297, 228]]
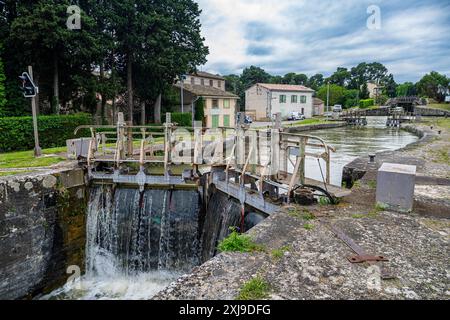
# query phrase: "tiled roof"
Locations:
[[285, 87], [208, 75], [204, 91], [318, 101]]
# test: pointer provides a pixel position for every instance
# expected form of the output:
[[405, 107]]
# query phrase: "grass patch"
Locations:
[[307, 122], [255, 289], [372, 184], [358, 216], [441, 106], [26, 159], [236, 242], [304, 214], [441, 156], [12, 173], [308, 226], [279, 253]]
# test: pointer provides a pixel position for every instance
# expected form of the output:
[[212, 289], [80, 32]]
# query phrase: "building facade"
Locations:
[[264, 100], [220, 106]]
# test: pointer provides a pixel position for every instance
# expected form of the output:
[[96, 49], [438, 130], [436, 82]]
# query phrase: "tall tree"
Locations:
[[434, 85], [2, 87], [341, 77], [316, 81]]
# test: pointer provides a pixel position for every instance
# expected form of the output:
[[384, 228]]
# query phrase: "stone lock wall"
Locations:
[[42, 231]]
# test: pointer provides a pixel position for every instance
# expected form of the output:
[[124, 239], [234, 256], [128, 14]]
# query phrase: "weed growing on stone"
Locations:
[[372, 184], [255, 289], [279, 253], [236, 242], [308, 226]]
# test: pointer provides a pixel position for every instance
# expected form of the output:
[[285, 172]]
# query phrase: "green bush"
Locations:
[[182, 119], [363, 104], [16, 133]]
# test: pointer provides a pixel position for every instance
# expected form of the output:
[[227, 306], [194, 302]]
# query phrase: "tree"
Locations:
[[350, 98], [406, 89], [2, 87], [389, 86], [253, 75], [336, 94], [364, 91], [434, 85], [41, 35], [316, 81], [341, 77], [294, 79]]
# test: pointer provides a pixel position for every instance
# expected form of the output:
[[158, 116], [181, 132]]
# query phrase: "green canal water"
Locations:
[[355, 142]]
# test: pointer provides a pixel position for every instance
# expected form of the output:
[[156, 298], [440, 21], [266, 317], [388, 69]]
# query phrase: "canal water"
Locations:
[[353, 142], [133, 253]]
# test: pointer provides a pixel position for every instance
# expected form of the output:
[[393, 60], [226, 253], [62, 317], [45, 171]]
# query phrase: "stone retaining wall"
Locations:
[[42, 231]]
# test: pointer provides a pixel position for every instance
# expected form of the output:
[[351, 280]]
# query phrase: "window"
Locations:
[[282, 98], [202, 82], [294, 99], [303, 99], [303, 111], [220, 84], [226, 103], [192, 80], [226, 120], [211, 83], [215, 104], [215, 121]]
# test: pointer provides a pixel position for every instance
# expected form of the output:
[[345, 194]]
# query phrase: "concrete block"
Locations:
[[395, 186], [78, 148]]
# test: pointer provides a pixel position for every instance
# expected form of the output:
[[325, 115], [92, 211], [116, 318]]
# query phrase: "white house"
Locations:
[[264, 100]]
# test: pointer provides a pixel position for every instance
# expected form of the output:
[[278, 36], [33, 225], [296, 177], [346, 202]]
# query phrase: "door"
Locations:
[[215, 121]]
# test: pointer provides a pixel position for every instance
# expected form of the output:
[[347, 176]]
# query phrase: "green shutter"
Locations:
[[226, 121], [215, 121]]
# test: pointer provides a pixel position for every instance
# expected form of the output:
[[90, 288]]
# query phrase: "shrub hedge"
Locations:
[[16, 133], [366, 103], [182, 119]]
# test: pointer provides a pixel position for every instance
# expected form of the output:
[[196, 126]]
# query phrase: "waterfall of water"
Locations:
[[133, 232]]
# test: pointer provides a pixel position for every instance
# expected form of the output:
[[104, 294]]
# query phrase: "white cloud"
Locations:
[[319, 36]]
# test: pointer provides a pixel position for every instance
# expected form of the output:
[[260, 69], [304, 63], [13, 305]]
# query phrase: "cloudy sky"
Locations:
[[318, 36]]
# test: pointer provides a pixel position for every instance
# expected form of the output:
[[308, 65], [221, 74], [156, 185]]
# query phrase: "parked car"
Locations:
[[337, 108], [247, 119], [296, 116]]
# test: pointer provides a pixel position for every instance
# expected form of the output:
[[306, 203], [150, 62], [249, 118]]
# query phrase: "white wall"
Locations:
[[258, 99], [288, 107]]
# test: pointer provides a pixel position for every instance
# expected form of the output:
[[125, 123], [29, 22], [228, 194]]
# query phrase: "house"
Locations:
[[318, 107], [374, 90], [264, 100], [220, 106]]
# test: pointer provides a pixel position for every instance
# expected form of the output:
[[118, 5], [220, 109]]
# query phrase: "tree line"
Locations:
[[346, 86], [127, 53]]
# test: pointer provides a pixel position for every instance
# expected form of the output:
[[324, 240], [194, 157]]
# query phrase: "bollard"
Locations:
[[372, 158]]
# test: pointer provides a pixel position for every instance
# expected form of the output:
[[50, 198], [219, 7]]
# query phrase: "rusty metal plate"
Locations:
[[367, 258]]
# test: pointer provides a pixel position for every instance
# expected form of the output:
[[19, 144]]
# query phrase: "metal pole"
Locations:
[[182, 94], [37, 148], [328, 98]]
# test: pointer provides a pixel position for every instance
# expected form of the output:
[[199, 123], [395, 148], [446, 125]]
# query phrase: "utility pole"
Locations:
[[328, 97], [37, 148], [182, 77]]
